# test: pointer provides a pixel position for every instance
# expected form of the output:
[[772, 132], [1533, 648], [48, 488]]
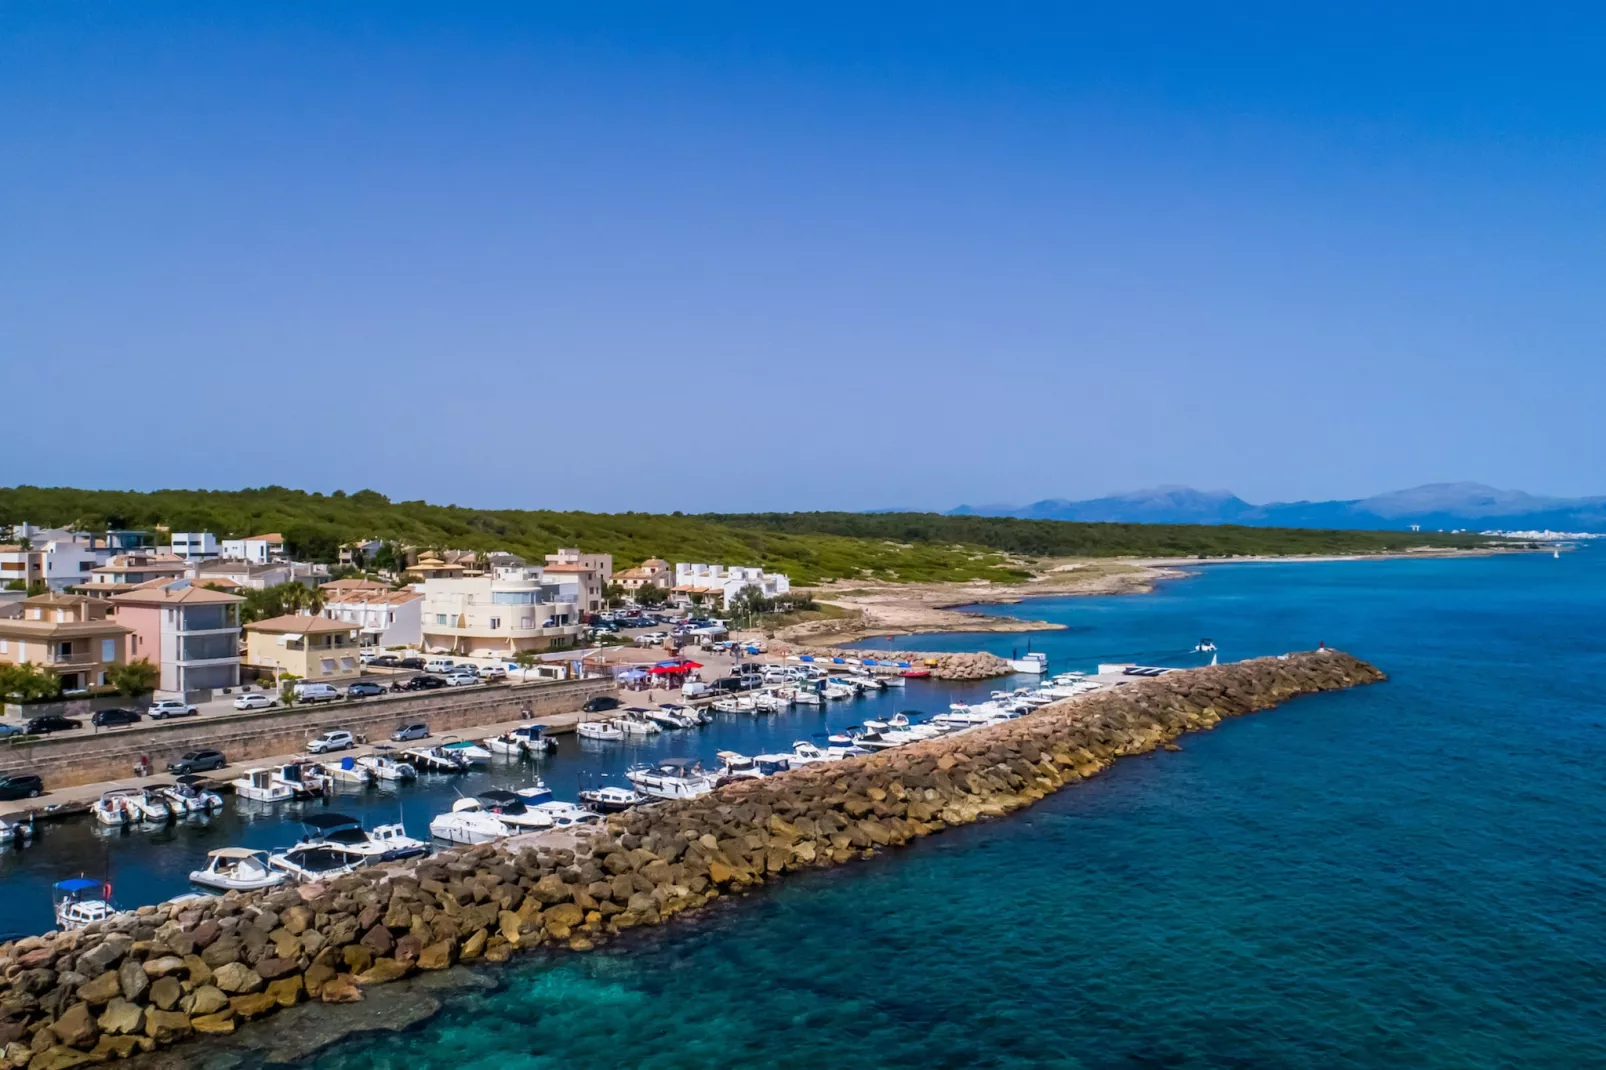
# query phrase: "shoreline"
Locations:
[[885, 610]]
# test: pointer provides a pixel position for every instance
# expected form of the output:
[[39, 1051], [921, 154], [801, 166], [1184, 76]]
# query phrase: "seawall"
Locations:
[[157, 977], [65, 761]]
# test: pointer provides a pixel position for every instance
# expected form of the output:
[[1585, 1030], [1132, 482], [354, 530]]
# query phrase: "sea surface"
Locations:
[[1405, 875]]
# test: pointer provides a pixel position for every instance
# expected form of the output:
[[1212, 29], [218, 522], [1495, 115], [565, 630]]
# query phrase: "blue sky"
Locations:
[[801, 256]]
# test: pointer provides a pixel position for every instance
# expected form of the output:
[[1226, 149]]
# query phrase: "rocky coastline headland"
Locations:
[[161, 975]]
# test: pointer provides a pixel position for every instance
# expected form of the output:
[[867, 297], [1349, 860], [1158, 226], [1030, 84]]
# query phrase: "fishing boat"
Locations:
[[468, 750], [316, 862], [78, 901], [385, 767], [673, 778], [1034, 662], [468, 823], [611, 799], [606, 731], [384, 843], [260, 785], [115, 808], [237, 869]]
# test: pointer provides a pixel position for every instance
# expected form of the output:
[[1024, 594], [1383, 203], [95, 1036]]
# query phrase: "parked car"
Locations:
[[384, 661], [339, 739], [364, 689], [171, 707], [310, 693], [410, 663], [495, 672], [52, 722], [21, 786], [410, 731], [424, 683], [600, 704], [197, 761], [461, 679], [440, 665], [114, 717], [12, 730], [255, 701]]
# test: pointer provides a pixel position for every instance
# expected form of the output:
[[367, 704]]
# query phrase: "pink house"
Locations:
[[192, 633]]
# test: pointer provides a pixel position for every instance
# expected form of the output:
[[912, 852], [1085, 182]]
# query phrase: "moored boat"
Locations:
[[316, 862], [384, 843], [386, 767], [606, 731], [241, 869], [78, 901], [673, 778], [611, 799]]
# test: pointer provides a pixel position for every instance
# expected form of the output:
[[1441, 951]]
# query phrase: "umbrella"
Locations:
[[690, 665], [666, 670], [633, 674]]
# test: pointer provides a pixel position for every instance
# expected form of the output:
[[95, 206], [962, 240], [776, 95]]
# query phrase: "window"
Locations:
[[440, 618], [64, 650], [496, 622], [5, 646], [108, 650], [328, 665]]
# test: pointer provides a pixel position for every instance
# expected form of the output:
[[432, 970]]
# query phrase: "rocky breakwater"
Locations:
[[944, 666], [161, 975]]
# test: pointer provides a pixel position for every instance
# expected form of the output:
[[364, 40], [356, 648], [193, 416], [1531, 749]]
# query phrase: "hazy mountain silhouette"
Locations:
[[1434, 506]]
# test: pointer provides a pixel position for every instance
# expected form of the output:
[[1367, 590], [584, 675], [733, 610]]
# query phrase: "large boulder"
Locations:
[[76, 1028], [236, 978], [121, 1016], [166, 1027]]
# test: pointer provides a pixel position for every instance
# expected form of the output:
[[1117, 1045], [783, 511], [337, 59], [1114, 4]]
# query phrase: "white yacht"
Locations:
[[385, 843], [566, 814], [806, 753], [673, 778], [602, 730], [511, 808], [734, 766], [348, 772], [467, 823], [385, 767], [436, 760], [667, 719], [231, 869], [79, 901], [635, 722]]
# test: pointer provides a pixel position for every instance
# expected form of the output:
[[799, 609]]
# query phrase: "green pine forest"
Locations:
[[809, 547]]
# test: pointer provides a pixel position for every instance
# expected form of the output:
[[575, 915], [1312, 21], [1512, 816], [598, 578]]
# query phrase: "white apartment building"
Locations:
[[257, 549], [726, 581], [384, 618], [195, 546], [592, 573], [499, 615], [58, 559]]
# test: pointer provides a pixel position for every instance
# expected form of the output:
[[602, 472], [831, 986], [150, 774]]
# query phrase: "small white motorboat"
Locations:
[[510, 808], [533, 793], [566, 814], [78, 901], [611, 799], [436, 760], [468, 823], [807, 696], [607, 731], [153, 806], [115, 808], [188, 795], [347, 772], [16, 833], [385, 767], [237, 869], [468, 750], [385, 843], [1034, 662], [316, 862], [667, 718]]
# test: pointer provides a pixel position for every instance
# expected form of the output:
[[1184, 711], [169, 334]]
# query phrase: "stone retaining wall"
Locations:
[[157, 977], [109, 754]]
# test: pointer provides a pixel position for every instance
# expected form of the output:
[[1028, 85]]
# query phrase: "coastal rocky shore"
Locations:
[[161, 975], [944, 665]]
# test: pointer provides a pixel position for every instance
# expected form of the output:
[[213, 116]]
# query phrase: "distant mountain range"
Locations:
[[1435, 506]]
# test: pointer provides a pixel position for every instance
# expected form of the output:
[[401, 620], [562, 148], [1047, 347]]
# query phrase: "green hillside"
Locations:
[[810, 547]]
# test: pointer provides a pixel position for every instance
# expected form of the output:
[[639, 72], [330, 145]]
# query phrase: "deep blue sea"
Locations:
[[1406, 875]]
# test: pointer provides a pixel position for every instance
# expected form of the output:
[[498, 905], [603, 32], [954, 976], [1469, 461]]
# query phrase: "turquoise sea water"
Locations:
[[1407, 875]]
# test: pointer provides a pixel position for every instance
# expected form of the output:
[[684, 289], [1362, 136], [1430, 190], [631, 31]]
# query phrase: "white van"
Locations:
[[317, 693], [438, 665]]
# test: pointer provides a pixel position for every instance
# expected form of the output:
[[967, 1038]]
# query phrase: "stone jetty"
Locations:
[[943, 665], [160, 975]]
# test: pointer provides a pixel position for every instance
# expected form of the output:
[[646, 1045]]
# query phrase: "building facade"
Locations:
[[195, 546], [653, 572], [258, 549], [191, 633], [497, 616], [57, 559], [311, 648], [126, 571], [383, 618], [725, 582], [593, 573], [69, 635]]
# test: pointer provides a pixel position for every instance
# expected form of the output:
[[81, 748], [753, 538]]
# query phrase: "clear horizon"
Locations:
[[831, 258]]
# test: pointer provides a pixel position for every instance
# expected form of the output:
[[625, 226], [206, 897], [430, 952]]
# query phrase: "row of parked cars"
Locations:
[[45, 724]]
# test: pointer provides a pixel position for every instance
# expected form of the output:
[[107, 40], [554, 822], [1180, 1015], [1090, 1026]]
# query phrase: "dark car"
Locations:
[[198, 761], [385, 661], [52, 722], [410, 663], [363, 689], [410, 731], [114, 717], [425, 683], [599, 704], [21, 786]]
